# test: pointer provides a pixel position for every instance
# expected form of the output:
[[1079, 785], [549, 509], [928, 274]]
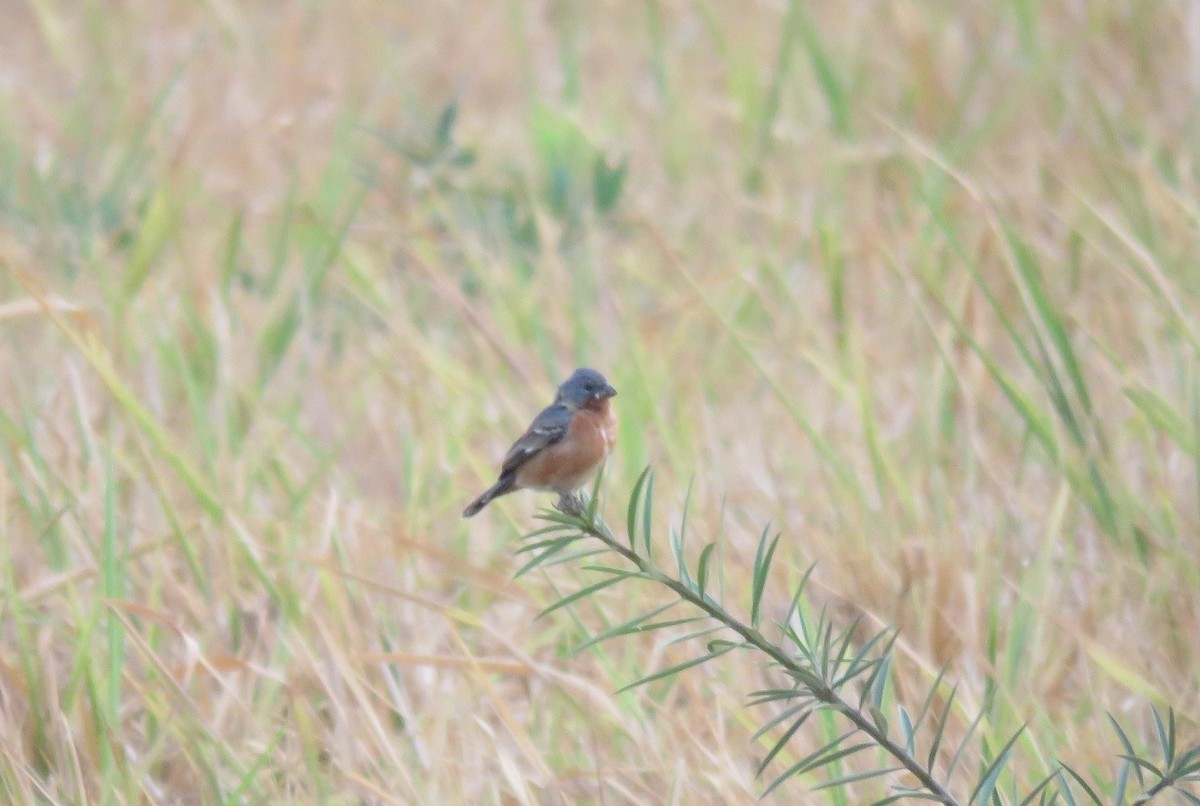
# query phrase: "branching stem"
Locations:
[[823, 692]]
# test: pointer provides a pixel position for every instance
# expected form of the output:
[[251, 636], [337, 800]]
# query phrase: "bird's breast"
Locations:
[[568, 464]]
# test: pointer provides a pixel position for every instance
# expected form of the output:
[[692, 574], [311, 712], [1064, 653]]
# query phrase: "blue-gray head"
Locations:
[[585, 388]]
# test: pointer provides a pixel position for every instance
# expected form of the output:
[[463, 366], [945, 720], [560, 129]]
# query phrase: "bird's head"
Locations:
[[586, 388]]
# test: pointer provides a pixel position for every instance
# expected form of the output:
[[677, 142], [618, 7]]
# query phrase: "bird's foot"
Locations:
[[570, 504]]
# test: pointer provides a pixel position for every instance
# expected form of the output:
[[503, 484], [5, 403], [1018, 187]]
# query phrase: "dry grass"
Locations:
[[919, 287]]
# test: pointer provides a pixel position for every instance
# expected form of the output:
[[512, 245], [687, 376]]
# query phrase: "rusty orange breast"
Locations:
[[566, 465]]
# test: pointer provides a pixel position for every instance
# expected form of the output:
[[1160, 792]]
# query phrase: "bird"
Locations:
[[563, 447]]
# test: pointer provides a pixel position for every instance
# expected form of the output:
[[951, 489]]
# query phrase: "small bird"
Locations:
[[564, 446]]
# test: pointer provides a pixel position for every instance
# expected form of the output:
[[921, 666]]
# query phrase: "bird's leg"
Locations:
[[569, 504]]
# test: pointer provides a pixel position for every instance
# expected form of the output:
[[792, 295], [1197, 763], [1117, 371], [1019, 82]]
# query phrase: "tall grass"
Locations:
[[914, 282]]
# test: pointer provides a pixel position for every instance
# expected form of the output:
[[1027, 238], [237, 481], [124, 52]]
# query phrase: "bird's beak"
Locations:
[[608, 391]]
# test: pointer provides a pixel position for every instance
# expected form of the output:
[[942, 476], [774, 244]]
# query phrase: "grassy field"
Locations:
[[914, 282]]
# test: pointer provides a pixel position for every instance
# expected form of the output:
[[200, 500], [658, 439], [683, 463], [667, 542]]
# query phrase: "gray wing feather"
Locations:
[[547, 428]]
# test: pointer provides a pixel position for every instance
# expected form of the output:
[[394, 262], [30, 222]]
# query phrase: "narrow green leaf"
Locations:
[[1145, 765], [1129, 752], [541, 544], [838, 657], [687, 505], [1188, 759], [858, 665], [1087, 788], [856, 670], [632, 625], [679, 539], [855, 777], [794, 607], [940, 730], [801, 696], [779, 718], [1048, 374], [826, 659], [158, 224], [836, 97], [545, 530], [679, 639], [676, 669], [276, 338], [1041, 789], [1121, 783], [879, 718], [632, 513], [1035, 420], [580, 594], [762, 565], [1028, 267], [702, 568], [963, 744], [937, 681], [1164, 418], [878, 680], [604, 569], [572, 557], [835, 755], [561, 518], [987, 782], [907, 730], [805, 677], [676, 544], [1166, 734], [1064, 792], [823, 757], [907, 793], [782, 741], [778, 693], [808, 642], [648, 516], [539, 558]]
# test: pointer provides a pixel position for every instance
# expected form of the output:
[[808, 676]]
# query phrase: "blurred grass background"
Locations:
[[914, 281]]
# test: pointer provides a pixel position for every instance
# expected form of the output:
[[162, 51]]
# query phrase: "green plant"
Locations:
[[827, 668]]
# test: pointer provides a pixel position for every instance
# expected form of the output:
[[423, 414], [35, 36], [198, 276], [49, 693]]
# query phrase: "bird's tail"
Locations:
[[504, 485]]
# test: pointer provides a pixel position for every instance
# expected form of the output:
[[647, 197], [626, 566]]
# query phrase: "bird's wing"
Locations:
[[547, 428]]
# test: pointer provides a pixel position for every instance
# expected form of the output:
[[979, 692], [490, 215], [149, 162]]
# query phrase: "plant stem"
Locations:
[[1162, 785], [823, 693]]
